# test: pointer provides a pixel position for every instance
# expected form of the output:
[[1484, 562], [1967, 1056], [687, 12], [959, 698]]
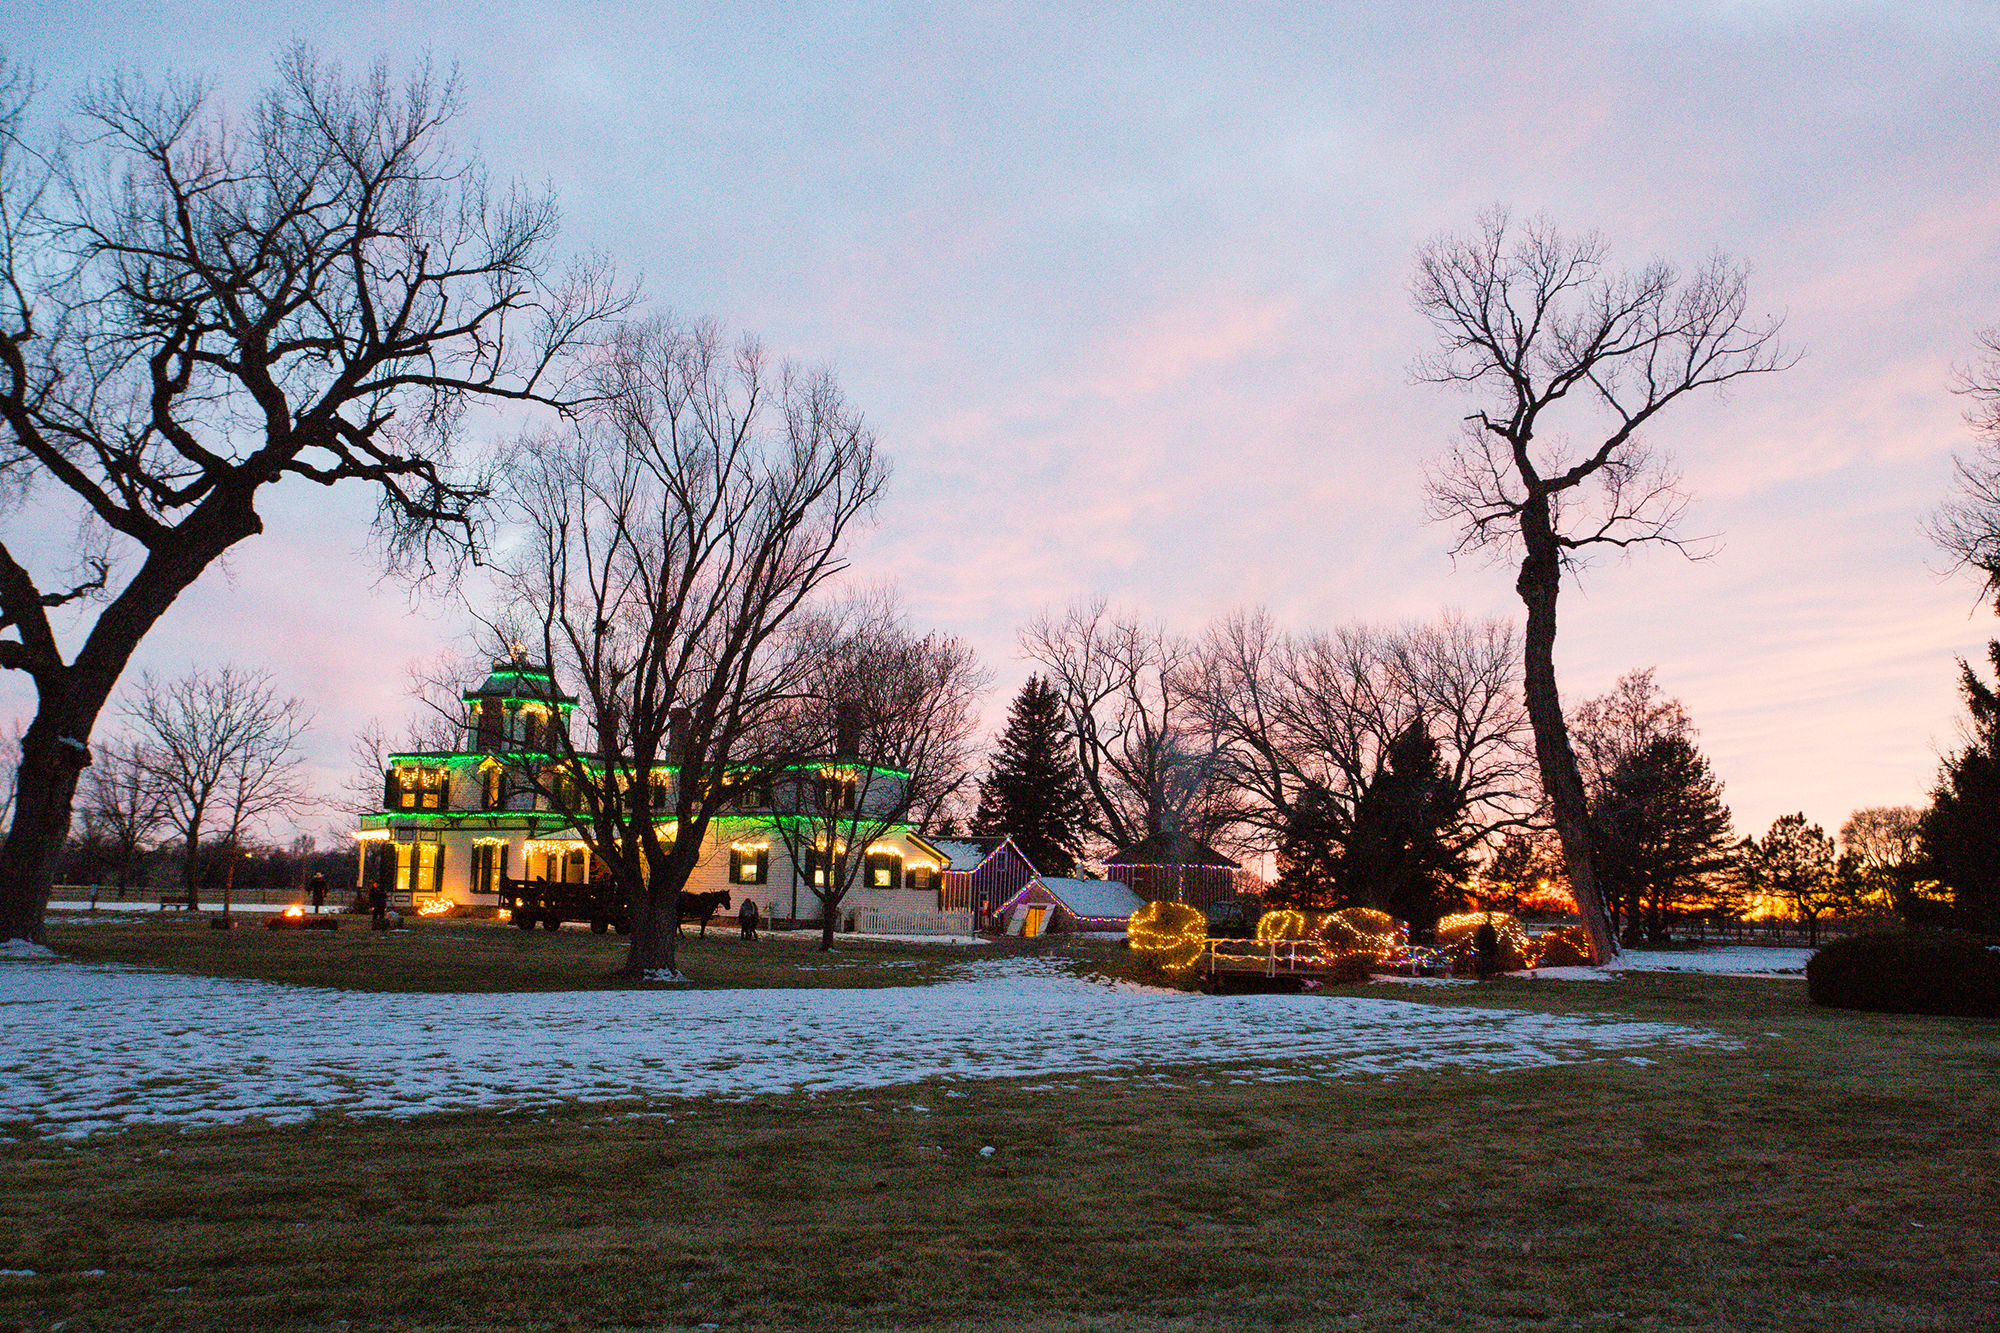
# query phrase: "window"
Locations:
[[492, 723], [749, 865], [919, 877], [489, 866], [883, 870], [496, 787], [813, 863], [836, 794], [413, 787]]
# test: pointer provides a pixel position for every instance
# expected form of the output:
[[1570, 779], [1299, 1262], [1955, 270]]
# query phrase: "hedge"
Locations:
[[1917, 972]]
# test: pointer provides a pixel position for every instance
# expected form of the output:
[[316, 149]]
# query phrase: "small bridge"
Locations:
[[1271, 964]]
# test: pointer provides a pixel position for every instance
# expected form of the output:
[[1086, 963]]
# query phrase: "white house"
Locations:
[[454, 823]]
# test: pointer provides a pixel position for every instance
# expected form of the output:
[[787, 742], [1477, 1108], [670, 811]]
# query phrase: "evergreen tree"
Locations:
[[1401, 851], [1795, 861], [1309, 853], [1662, 835], [1033, 792], [1958, 838]]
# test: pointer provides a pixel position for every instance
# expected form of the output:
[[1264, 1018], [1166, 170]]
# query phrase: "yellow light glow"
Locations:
[[435, 907], [371, 835], [1170, 934], [750, 846]]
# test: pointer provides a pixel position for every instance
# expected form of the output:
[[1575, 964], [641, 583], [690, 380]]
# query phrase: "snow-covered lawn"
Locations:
[[95, 1047], [1720, 960]]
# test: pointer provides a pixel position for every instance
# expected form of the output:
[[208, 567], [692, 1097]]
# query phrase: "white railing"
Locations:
[[1276, 955]]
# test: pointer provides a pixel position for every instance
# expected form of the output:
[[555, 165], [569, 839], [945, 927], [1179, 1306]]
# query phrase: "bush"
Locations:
[[1918, 972]]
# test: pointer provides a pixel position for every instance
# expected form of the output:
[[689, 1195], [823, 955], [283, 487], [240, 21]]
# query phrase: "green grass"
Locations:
[[474, 956], [1825, 1171]]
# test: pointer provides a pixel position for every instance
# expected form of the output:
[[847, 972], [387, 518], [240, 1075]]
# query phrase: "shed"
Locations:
[[1170, 866], [1070, 905]]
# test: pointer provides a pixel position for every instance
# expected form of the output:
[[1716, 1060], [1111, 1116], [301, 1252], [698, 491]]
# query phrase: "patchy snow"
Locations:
[[95, 1047], [1725, 960], [208, 908], [845, 935], [25, 949]]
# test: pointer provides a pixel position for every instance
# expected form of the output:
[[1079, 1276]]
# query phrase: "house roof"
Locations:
[[1099, 899], [1169, 848], [521, 679], [963, 853]]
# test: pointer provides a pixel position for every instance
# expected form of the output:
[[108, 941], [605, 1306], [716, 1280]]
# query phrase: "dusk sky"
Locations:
[[1124, 295]]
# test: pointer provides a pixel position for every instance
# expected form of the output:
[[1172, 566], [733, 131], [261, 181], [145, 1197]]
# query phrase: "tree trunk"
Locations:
[[45, 789], [56, 747], [655, 938], [825, 927], [1562, 781], [191, 868]]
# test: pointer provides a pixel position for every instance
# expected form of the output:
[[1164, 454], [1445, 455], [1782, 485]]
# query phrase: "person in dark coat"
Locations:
[[378, 901], [747, 916], [1486, 950], [318, 893]]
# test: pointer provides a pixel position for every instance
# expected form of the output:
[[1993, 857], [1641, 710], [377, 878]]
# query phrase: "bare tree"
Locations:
[[1315, 717], [195, 307], [1613, 726], [1149, 761], [1539, 323], [1967, 525], [123, 805], [668, 545], [223, 747], [886, 718]]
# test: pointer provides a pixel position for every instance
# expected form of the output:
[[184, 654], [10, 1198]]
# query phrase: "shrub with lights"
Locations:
[[1456, 936], [1171, 936], [1565, 946]]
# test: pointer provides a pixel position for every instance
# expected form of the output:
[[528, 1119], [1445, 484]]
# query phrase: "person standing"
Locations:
[[318, 893]]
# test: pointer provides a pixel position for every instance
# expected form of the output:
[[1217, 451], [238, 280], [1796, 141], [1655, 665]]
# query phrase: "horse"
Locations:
[[700, 907], [747, 917]]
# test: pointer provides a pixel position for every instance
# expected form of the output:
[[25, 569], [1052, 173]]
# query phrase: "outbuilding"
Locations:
[[1047, 904]]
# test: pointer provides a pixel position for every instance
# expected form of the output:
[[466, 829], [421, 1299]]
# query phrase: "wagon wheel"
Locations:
[[623, 926], [523, 920], [599, 927], [551, 923]]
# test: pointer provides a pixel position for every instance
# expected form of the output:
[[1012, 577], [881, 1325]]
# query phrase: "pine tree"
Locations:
[[1796, 861], [1033, 792], [1958, 838], [1662, 835], [1309, 854], [1401, 854]]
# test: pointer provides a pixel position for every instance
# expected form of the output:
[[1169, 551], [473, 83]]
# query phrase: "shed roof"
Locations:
[[1098, 899], [1169, 848]]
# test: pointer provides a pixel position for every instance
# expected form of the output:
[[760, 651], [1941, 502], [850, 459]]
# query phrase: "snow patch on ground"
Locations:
[[841, 936], [95, 1047], [1726, 960]]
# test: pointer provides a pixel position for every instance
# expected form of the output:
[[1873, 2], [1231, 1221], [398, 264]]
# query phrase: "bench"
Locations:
[[169, 902]]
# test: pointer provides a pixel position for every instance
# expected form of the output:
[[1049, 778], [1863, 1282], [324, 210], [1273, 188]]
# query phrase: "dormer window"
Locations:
[[417, 787]]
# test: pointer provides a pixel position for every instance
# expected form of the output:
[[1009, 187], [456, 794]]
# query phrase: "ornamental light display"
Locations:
[[1169, 934]]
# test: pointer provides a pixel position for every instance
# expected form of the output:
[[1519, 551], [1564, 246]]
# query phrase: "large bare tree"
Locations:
[[223, 748], [195, 307], [1574, 359], [668, 547], [1315, 717], [1967, 526], [885, 724], [1149, 761]]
